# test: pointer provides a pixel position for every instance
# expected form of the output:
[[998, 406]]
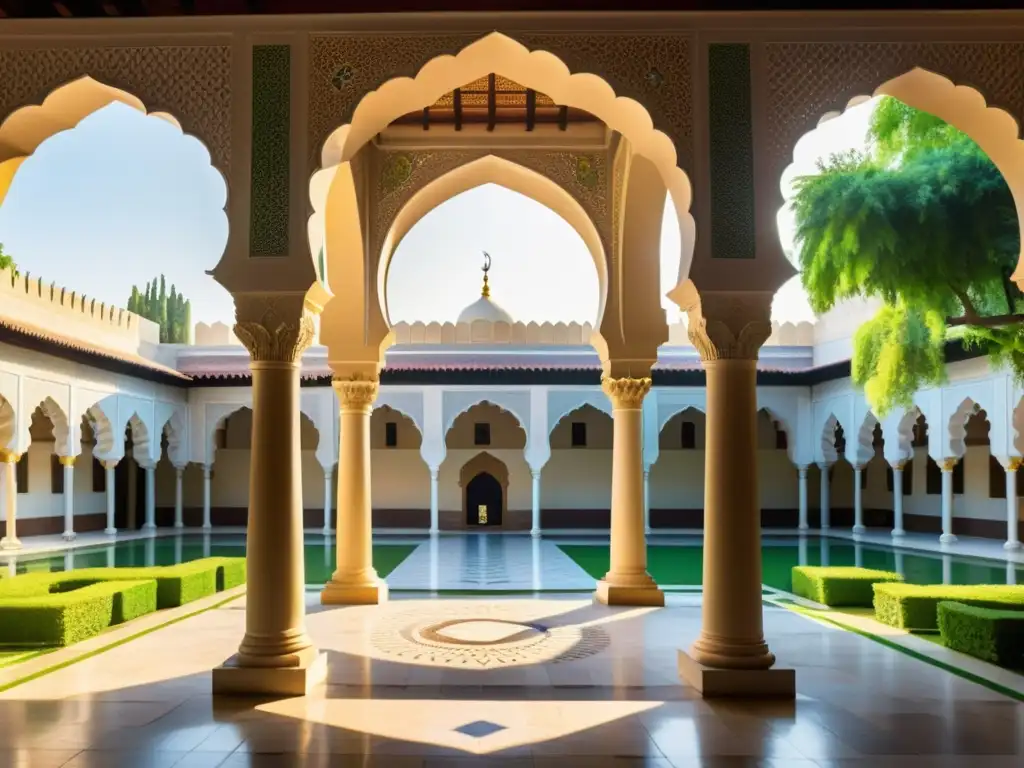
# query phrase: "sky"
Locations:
[[124, 197]]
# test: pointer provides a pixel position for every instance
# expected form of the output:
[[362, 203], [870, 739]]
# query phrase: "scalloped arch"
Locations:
[[491, 169], [380, 406], [594, 403], [26, 128], [956, 425], [827, 438], [540, 70], [965, 108], [106, 441], [8, 424], [467, 407], [664, 417]]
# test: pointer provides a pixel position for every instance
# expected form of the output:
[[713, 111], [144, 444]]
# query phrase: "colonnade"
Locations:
[[1010, 467]]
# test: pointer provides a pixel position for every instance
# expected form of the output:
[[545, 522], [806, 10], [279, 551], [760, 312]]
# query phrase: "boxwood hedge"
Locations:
[[839, 586], [58, 608], [914, 607], [992, 635]]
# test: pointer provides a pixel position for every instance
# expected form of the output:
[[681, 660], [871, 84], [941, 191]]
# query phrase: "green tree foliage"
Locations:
[[6, 262], [171, 311], [924, 221]]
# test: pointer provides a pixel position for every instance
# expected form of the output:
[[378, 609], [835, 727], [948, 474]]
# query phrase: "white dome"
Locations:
[[484, 309]]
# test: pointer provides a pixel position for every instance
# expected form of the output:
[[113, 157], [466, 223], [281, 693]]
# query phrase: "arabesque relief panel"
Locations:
[[190, 82], [806, 80]]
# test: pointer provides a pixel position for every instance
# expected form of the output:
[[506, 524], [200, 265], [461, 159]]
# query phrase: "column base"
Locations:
[[207, 527], [860, 529], [299, 679], [69, 536], [1009, 546], [803, 527], [9, 544], [947, 538], [178, 526], [354, 594], [614, 594], [535, 533], [110, 531], [713, 682], [898, 533]]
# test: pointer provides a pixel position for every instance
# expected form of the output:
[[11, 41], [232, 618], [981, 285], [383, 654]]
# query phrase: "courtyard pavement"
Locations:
[[553, 681]]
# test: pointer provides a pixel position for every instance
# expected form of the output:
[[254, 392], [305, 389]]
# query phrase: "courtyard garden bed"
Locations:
[[996, 636], [914, 607], [839, 586], [56, 609]]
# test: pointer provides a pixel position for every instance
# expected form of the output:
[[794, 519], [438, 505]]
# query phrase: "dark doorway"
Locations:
[[483, 501]]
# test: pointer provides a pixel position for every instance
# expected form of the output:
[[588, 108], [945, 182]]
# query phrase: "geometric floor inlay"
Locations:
[[483, 637]]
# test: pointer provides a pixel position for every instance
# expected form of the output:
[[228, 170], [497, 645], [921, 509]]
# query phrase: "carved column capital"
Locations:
[[1014, 463], [273, 327], [899, 465], [9, 457], [726, 325], [67, 461], [947, 465], [626, 393], [109, 463], [356, 394]]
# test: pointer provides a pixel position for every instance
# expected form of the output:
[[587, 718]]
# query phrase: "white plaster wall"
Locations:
[[40, 502]]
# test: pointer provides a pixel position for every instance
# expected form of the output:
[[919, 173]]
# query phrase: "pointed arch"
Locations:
[[956, 426], [8, 425], [492, 169]]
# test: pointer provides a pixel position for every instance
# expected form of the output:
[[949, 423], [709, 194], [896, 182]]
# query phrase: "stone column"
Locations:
[[179, 496], [627, 581], [150, 524], [8, 465], [802, 473], [947, 536], [276, 656], [535, 507], [354, 581], [207, 474], [824, 503], [111, 482], [328, 476], [897, 498], [647, 501], [858, 499], [731, 657], [68, 463], [435, 515], [1012, 516]]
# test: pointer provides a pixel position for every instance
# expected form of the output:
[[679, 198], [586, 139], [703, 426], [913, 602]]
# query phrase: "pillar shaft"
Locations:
[[627, 581], [179, 497], [535, 506], [947, 536], [802, 473], [207, 475], [647, 500], [897, 499], [435, 523], [824, 502], [8, 465], [150, 523], [354, 580], [69, 497], [111, 482], [858, 499], [732, 634], [1012, 515], [328, 493], [275, 628]]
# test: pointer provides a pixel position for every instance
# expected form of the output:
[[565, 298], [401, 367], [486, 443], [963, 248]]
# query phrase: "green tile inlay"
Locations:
[[732, 154], [271, 118]]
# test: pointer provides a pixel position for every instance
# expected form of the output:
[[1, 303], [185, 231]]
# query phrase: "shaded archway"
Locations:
[[576, 490], [484, 481], [395, 443], [676, 479]]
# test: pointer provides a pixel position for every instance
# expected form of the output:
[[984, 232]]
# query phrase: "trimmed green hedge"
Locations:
[[839, 586], [914, 607], [36, 608], [63, 618], [992, 635]]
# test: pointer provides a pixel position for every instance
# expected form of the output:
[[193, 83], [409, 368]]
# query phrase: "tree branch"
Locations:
[[993, 321], [970, 312]]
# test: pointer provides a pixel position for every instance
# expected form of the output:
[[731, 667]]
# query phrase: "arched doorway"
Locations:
[[484, 481], [484, 501]]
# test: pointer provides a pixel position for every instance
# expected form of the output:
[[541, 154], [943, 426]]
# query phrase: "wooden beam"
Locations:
[[492, 102], [531, 108], [563, 118], [457, 102], [426, 118]]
